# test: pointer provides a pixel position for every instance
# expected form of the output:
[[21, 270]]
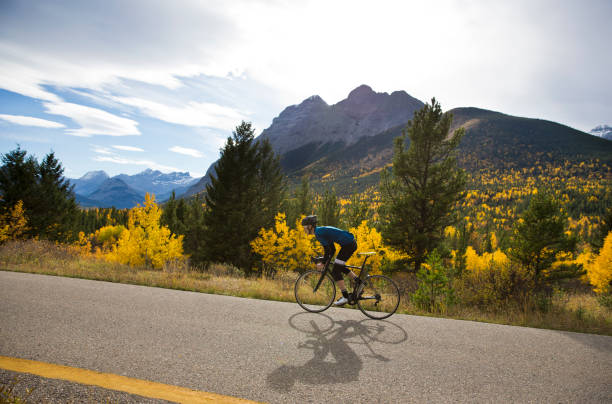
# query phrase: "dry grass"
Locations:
[[570, 312]]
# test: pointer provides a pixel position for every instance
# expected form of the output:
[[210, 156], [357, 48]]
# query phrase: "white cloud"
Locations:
[[508, 56], [128, 148], [186, 151], [192, 114], [93, 121], [103, 150], [147, 163], [30, 121]]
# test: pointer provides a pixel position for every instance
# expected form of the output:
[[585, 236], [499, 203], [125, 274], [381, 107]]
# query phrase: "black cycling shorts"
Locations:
[[345, 253]]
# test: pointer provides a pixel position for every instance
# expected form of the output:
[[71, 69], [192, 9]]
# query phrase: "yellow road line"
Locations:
[[115, 382]]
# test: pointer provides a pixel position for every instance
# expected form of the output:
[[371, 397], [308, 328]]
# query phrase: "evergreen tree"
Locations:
[[57, 209], [434, 291], [328, 209], [356, 212], [186, 218], [243, 196], [539, 235], [195, 227], [47, 196], [425, 183], [270, 182], [300, 204], [604, 228], [18, 179]]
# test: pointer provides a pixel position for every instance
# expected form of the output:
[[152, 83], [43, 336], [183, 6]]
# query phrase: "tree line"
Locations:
[[419, 199]]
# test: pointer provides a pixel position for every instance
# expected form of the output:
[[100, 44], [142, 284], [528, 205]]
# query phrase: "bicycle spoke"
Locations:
[[379, 297], [305, 293]]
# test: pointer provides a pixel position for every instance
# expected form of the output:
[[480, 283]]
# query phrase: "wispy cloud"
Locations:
[[519, 41], [30, 121], [147, 163], [93, 121], [103, 150], [192, 114], [185, 151], [128, 148], [20, 137]]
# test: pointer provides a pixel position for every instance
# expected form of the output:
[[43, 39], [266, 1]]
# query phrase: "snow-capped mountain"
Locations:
[[94, 188], [89, 183], [604, 131], [158, 183]]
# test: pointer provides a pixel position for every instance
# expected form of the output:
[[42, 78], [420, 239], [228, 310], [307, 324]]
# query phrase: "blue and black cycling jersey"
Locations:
[[328, 235]]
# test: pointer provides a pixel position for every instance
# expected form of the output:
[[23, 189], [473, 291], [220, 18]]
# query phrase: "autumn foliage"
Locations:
[[143, 243], [283, 248], [13, 224], [599, 268]]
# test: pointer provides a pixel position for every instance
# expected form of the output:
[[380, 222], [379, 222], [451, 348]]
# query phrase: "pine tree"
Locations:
[[356, 212], [419, 195], [301, 203], [604, 228], [244, 196], [195, 230], [539, 235], [18, 179], [328, 209], [57, 206], [186, 218], [47, 196]]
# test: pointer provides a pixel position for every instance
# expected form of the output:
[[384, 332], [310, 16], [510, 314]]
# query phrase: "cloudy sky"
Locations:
[[125, 85]]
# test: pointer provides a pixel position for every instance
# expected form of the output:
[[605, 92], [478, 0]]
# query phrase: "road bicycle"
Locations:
[[377, 296]]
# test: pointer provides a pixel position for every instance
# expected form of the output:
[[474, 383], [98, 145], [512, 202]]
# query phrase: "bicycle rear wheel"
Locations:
[[307, 298], [379, 297]]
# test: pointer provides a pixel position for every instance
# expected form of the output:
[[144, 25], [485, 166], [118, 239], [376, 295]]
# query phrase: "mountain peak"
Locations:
[[363, 113], [313, 100], [361, 92], [604, 131], [149, 171], [94, 174]]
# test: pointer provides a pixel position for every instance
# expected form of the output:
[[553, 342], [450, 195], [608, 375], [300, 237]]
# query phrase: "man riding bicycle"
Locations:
[[327, 236]]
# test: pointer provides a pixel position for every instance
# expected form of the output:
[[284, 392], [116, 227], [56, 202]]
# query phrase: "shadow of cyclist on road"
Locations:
[[333, 359]]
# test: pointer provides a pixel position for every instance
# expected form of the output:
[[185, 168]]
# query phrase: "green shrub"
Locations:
[[434, 292]]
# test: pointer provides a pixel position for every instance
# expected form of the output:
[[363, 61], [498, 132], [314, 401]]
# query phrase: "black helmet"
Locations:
[[309, 220]]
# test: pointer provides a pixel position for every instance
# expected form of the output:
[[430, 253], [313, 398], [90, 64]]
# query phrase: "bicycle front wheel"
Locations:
[[311, 300], [379, 297]]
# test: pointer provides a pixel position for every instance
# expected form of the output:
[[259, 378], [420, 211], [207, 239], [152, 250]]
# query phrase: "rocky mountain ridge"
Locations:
[[363, 113], [345, 145]]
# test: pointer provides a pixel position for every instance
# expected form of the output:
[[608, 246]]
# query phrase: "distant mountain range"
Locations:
[[347, 144], [603, 131], [97, 189]]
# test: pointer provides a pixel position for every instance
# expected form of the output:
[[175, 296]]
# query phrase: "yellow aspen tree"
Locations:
[[600, 271], [478, 263], [369, 239], [146, 242], [14, 223], [283, 248]]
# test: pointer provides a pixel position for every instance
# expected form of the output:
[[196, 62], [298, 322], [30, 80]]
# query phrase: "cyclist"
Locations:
[[327, 236]]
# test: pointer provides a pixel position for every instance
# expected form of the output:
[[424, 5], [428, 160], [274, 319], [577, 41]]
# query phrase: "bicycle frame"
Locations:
[[362, 275]]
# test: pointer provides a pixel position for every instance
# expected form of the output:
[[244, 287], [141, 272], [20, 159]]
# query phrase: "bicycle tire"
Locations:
[[379, 297], [309, 300]]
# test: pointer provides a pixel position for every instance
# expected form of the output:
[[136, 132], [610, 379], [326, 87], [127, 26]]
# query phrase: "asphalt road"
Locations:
[[275, 352]]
